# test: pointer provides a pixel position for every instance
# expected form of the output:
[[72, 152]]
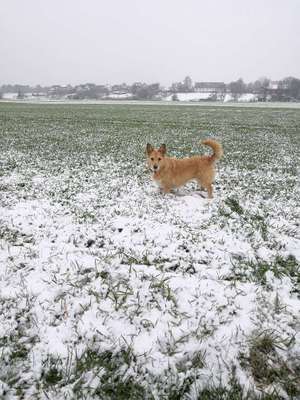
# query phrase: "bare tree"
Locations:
[[237, 87], [291, 86]]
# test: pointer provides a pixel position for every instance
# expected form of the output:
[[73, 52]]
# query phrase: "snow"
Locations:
[[9, 96], [247, 97], [193, 96], [119, 96], [149, 271], [243, 98], [58, 252], [228, 97]]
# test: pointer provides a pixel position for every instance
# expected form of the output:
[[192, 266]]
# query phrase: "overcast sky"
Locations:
[[113, 41]]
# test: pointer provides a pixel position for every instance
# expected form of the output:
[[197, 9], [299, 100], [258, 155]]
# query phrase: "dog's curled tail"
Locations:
[[217, 148]]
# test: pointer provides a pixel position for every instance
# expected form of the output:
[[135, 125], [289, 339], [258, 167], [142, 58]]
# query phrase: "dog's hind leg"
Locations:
[[207, 186], [200, 186]]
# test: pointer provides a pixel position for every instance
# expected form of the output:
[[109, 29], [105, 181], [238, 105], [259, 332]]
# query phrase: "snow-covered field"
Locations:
[[209, 104], [9, 96], [111, 290], [193, 96], [244, 98], [119, 96]]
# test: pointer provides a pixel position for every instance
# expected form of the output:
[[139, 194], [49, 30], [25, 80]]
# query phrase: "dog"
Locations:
[[171, 173]]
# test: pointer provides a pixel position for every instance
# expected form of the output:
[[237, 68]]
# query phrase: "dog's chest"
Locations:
[[157, 181]]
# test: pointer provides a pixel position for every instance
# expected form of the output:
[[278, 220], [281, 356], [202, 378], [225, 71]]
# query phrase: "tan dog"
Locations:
[[170, 173]]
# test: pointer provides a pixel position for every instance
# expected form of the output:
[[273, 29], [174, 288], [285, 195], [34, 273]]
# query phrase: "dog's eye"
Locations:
[[152, 159], [159, 159]]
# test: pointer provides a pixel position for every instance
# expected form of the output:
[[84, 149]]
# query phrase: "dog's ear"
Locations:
[[149, 148], [163, 149]]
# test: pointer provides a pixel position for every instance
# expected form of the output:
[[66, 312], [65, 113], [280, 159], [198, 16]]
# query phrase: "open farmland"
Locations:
[[111, 290]]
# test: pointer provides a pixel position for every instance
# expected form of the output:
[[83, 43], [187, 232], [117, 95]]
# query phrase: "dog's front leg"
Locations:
[[166, 189]]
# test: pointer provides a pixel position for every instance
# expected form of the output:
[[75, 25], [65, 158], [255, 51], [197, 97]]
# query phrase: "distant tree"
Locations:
[[261, 87], [153, 89], [22, 88], [237, 87], [87, 91], [123, 88], [250, 87], [291, 86], [175, 87], [1, 95], [142, 91], [102, 90], [135, 87], [20, 95], [175, 97], [277, 93], [37, 89]]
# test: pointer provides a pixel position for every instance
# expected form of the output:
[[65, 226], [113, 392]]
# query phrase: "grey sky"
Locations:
[[114, 41]]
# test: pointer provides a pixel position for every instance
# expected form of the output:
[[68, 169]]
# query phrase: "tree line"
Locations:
[[287, 89]]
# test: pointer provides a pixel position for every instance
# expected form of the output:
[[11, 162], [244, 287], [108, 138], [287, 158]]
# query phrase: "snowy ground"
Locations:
[[244, 98], [193, 96], [229, 103], [111, 290]]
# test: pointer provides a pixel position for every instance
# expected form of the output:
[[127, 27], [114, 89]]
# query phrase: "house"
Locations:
[[185, 86], [277, 85], [273, 85], [119, 89], [210, 87]]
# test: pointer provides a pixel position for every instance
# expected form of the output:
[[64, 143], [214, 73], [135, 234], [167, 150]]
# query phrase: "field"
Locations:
[[111, 290]]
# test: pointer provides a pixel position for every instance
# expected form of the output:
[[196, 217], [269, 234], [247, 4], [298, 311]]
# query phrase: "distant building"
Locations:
[[185, 86], [175, 87], [277, 85], [210, 87], [273, 85], [188, 83], [120, 89]]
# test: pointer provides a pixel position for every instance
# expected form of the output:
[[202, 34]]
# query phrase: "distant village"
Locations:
[[262, 90]]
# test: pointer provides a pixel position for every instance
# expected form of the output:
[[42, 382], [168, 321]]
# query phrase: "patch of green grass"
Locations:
[[87, 216], [287, 266], [52, 373], [92, 359], [178, 392], [234, 391], [221, 393], [198, 360], [234, 205], [14, 236], [15, 360], [258, 223], [19, 352], [112, 369], [268, 367], [116, 388], [130, 259], [255, 222], [255, 271], [161, 286], [53, 376]]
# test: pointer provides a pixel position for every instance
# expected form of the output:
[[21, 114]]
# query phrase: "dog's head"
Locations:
[[155, 157]]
